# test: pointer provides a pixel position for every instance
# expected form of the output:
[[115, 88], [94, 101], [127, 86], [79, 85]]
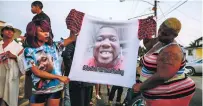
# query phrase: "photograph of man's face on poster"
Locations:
[[106, 52]]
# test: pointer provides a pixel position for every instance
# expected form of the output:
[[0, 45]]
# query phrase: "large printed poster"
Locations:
[[106, 52]]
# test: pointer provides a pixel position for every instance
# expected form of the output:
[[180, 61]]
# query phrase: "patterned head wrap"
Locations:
[[173, 23]]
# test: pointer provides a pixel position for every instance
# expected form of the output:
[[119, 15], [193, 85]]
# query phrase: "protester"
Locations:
[[10, 67], [163, 80], [112, 94], [36, 8], [47, 86], [67, 55], [80, 92], [130, 93], [97, 87], [98, 90]]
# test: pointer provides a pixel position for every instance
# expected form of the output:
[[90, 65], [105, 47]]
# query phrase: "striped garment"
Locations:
[[176, 87]]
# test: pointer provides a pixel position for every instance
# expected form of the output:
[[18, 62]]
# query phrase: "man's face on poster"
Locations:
[[107, 46], [45, 62]]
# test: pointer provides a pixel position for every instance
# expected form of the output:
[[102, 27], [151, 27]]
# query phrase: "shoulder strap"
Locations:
[[173, 43]]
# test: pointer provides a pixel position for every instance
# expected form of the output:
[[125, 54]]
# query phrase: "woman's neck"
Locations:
[[40, 43], [38, 12], [166, 43], [6, 42]]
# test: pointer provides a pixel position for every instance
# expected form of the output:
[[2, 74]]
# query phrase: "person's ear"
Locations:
[[176, 34], [37, 7]]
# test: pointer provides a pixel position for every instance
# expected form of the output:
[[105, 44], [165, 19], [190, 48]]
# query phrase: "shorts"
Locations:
[[42, 98]]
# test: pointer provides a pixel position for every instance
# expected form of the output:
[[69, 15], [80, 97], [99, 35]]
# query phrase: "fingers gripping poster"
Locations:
[[106, 52]]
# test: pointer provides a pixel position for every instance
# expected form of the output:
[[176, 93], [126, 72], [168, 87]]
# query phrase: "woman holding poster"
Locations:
[[43, 59], [163, 79]]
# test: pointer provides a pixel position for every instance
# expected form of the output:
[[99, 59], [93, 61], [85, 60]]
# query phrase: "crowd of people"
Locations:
[[46, 66]]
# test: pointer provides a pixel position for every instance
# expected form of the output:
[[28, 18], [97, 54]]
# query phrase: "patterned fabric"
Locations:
[[74, 20], [147, 27], [176, 87], [173, 23], [46, 58]]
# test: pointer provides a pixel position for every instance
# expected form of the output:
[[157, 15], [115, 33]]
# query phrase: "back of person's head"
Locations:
[[173, 23], [31, 32], [37, 3]]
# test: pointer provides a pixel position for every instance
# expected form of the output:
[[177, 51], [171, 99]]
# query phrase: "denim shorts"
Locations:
[[42, 98]]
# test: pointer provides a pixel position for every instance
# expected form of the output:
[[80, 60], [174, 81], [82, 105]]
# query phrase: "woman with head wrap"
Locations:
[[163, 80]]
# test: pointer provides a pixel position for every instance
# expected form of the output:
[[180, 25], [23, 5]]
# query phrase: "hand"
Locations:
[[73, 36], [136, 87], [64, 79], [61, 45], [10, 55], [3, 58]]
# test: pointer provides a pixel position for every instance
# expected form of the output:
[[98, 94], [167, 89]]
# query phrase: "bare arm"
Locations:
[[12, 56], [70, 39], [149, 43], [168, 63], [44, 74]]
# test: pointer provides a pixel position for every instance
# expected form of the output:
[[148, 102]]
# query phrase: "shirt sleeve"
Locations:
[[28, 59]]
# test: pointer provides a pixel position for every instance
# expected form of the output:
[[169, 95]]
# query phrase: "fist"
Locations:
[[10, 55], [64, 79], [136, 87]]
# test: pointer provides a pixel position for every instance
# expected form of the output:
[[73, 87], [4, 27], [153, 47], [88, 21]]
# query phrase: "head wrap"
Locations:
[[173, 23]]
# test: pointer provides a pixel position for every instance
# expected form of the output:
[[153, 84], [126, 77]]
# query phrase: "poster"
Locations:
[[106, 52]]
